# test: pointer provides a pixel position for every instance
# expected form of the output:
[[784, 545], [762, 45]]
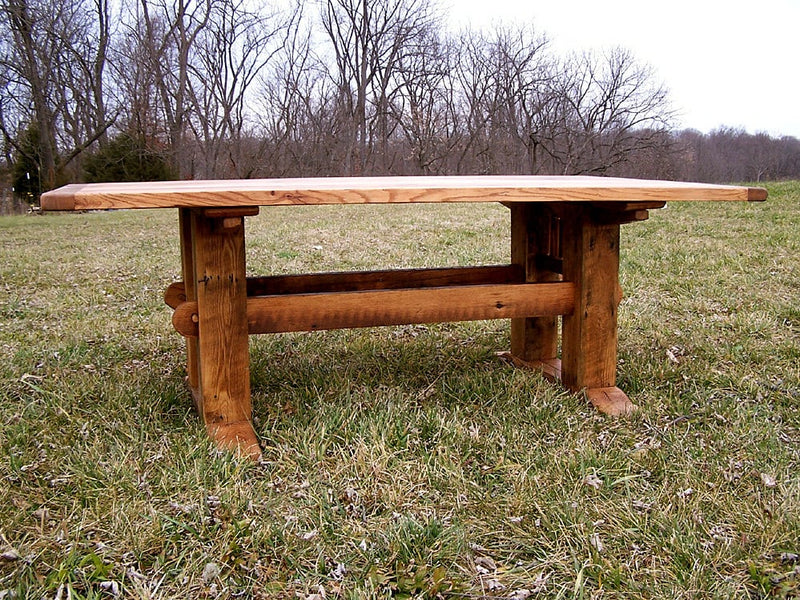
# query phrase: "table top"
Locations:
[[385, 190]]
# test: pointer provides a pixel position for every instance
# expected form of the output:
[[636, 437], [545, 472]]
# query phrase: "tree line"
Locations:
[[92, 90]]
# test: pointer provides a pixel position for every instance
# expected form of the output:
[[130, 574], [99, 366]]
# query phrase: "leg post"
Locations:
[[589, 344], [187, 271], [535, 241], [220, 283]]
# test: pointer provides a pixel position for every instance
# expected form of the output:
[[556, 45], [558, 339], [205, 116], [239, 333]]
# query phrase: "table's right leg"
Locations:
[[589, 344]]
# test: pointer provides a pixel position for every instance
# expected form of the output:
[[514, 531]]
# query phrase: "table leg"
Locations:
[[535, 241], [190, 293], [219, 279], [589, 342]]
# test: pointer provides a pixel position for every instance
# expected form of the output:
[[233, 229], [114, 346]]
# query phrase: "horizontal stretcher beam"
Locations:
[[367, 280], [370, 308]]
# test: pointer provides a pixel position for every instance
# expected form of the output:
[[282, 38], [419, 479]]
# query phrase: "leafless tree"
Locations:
[[25, 58], [424, 106], [733, 155], [53, 63], [368, 40], [134, 79], [503, 80], [232, 50], [473, 74], [81, 73], [606, 103], [298, 116], [167, 34], [522, 94]]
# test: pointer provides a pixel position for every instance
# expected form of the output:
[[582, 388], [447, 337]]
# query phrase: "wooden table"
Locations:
[[564, 263]]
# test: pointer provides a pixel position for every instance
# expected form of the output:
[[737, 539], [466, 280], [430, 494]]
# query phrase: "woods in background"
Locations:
[[156, 89]]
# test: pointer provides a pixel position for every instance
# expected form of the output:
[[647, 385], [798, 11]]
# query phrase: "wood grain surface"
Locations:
[[356, 281], [589, 334], [223, 357], [533, 234], [344, 310], [385, 190]]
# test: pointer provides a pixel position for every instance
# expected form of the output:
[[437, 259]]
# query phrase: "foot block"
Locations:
[[550, 368], [610, 401]]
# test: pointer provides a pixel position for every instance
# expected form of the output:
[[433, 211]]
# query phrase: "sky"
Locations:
[[728, 63]]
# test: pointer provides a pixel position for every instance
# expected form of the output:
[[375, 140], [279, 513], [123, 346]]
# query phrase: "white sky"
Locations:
[[725, 62]]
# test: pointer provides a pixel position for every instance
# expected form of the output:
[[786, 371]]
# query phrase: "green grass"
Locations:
[[402, 462]]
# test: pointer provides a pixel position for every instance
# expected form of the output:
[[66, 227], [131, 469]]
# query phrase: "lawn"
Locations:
[[402, 461]]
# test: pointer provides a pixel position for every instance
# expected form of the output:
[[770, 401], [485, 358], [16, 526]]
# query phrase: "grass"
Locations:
[[402, 462]]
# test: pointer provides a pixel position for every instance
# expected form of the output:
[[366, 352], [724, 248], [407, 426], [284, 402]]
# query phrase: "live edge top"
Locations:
[[385, 190]]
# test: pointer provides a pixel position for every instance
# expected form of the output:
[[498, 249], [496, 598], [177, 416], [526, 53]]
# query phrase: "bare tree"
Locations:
[[26, 57], [732, 155], [299, 117], [606, 104], [473, 74], [134, 79], [231, 52], [503, 81], [81, 74], [167, 33], [424, 106], [53, 63], [368, 39], [522, 94]]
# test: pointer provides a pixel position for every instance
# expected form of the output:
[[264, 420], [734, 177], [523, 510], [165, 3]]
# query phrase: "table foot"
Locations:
[[610, 401], [607, 400], [550, 368], [239, 437]]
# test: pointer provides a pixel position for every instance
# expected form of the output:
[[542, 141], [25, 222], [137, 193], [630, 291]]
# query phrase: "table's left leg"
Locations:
[[589, 337], [221, 289]]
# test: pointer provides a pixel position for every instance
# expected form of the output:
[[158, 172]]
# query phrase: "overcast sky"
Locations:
[[725, 62]]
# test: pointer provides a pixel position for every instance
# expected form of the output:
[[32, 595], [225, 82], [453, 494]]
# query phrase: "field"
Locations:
[[408, 461]]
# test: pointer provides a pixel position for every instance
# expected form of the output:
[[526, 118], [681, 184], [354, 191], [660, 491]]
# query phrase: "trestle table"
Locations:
[[564, 265]]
